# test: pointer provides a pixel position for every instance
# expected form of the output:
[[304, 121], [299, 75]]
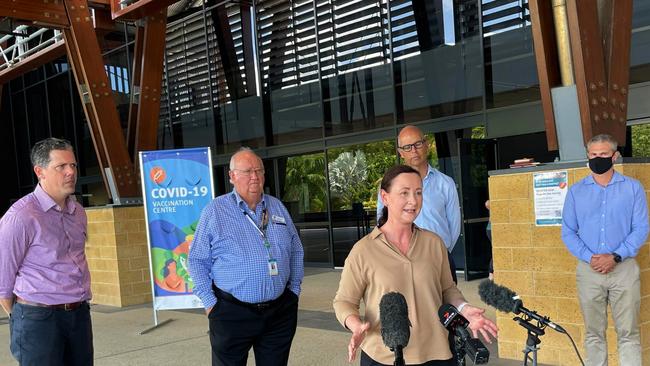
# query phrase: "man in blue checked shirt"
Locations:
[[246, 261], [604, 224], [440, 208]]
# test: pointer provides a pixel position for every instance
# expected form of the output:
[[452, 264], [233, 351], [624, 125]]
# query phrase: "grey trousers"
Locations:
[[621, 289]]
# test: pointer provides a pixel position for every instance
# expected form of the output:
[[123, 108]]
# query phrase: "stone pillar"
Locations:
[[118, 257], [534, 262]]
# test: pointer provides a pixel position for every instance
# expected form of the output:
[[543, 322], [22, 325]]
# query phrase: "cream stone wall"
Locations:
[[117, 253], [534, 262]]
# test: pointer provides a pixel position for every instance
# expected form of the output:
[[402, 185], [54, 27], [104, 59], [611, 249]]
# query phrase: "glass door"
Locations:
[[303, 190], [477, 157]]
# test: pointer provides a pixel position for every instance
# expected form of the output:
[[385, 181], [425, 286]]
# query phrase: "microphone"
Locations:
[[506, 300], [472, 347], [395, 332]]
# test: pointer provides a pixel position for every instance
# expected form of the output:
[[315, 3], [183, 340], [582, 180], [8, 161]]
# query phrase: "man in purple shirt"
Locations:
[[44, 277]]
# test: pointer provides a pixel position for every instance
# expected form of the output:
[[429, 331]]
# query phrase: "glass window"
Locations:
[[303, 187], [640, 43], [446, 78], [60, 106], [296, 113], [303, 190], [117, 70], [358, 101], [56, 67], [640, 140], [510, 68], [37, 112], [355, 173], [34, 76], [239, 123], [22, 143]]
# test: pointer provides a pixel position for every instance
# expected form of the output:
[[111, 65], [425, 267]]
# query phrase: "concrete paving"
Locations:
[[320, 340]]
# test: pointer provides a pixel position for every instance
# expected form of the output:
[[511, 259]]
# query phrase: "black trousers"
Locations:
[[367, 361], [235, 328], [44, 336], [452, 267]]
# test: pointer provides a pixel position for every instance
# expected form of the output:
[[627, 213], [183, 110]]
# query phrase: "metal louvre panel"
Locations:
[[276, 42], [191, 71], [503, 15], [187, 72], [348, 35]]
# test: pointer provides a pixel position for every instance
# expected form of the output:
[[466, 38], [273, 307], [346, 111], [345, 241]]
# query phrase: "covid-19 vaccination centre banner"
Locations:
[[177, 185]]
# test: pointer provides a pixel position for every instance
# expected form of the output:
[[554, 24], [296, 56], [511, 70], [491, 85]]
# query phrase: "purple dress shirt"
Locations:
[[42, 255]]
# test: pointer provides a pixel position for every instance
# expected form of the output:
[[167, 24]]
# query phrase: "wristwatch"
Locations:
[[617, 258]]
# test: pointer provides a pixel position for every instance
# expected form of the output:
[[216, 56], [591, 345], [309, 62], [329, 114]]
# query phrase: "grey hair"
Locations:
[[603, 137], [240, 150], [40, 154]]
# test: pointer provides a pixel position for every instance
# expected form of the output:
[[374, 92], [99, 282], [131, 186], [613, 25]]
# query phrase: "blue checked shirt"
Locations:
[[605, 220], [229, 251], [440, 211]]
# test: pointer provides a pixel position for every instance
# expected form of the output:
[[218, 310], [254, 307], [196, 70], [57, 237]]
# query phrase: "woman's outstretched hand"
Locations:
[[359, 330], [478, 323]]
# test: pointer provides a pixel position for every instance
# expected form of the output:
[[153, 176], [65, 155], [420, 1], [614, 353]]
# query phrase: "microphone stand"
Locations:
[[399, 356], [533, 341], [459, 351]]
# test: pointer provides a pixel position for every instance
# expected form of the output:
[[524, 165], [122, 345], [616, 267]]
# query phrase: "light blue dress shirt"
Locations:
[[604, 220], [229, 250], [440, 208]]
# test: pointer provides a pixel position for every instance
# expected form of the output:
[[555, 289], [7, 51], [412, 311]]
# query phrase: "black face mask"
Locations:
[[600, 165]]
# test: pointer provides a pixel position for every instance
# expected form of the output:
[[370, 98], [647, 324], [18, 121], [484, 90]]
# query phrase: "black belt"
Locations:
[[260, 306], [65, 307]]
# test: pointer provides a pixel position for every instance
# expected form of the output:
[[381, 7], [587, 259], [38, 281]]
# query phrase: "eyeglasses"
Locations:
[[248, 172], [417, 145]]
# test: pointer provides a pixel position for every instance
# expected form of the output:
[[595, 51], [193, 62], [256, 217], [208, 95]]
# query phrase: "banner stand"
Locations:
[[155, 322], [176, 186]]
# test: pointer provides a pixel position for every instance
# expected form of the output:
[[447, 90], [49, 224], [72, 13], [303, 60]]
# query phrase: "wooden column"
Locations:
[[97, 99], [546, 54], [153, 54], [601, 80], [135, 92], [600, 47]]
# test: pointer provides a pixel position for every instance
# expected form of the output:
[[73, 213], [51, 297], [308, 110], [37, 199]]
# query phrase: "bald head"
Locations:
[[413, 148], [408, 133], [243, 152]]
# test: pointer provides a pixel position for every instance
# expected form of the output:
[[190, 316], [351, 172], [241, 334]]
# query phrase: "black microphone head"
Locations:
[[500, 297], [451, 318], [393, 315]]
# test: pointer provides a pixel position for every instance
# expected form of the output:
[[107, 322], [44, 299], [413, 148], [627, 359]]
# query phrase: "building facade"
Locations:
[[320, 90]]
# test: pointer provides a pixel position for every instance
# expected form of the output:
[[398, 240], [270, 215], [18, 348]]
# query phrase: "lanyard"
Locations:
[[264, 225], [262, 228]]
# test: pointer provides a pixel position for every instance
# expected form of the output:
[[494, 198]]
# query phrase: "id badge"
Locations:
[[273, 267]]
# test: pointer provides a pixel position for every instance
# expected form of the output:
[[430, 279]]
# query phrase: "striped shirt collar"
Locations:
[[240, 201], [46, 202]]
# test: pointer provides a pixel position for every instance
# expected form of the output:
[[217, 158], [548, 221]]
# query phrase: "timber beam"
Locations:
[[152, 63], [33, 61], [548, 69], [599, 36], [138, 9], [136, 77], [601, 55], [46, 13], [98, 102]]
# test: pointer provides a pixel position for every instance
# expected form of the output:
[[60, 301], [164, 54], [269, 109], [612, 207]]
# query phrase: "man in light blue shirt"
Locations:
[[440, 208], [604, 224], [246, 261]]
